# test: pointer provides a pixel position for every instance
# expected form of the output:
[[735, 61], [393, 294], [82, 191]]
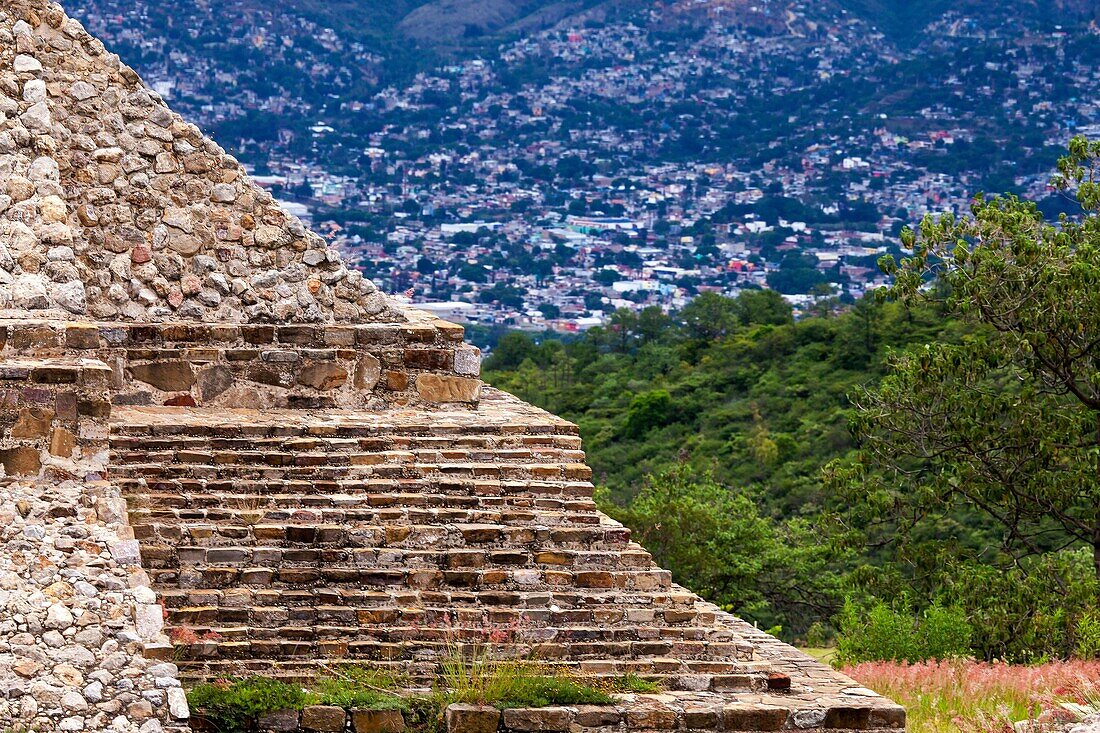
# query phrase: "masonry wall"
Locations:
[[258, 366], [81, 642]]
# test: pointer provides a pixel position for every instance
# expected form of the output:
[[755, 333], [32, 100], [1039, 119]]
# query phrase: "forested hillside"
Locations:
[[720, 423]]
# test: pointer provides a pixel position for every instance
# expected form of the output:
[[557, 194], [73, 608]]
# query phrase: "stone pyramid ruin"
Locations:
[[225, 453]]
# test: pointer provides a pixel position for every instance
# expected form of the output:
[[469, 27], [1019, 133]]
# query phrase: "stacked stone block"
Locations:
[[53, 416], [363, 366], [384, 538]]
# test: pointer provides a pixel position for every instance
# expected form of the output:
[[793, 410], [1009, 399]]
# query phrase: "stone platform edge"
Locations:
[[365, 366]]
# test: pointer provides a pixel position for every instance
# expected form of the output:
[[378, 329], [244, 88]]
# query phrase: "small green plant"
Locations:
[[885, 633], [359, 688], [470, 674], [1086, 635], [628, 683], [235, 705], [817, 635]]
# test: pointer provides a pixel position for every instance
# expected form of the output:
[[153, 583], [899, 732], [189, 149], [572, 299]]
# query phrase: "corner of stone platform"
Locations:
[[81, 633]]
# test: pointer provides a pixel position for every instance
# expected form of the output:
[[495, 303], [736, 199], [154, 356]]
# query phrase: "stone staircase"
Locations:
[[288, 537]]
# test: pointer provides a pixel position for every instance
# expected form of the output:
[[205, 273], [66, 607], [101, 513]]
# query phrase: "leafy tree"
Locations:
[[653, 324], [797, 273], [708, 316], [549, 310], [1008, 421], [648, 411], [762, 307], [511, 351], [607, 277], [621, 328], [735, 557]]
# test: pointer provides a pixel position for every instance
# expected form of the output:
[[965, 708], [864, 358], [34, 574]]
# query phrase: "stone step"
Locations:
[[234, 645], [395, 438], [615, 618], [673, 674], [499, 415], [222, 576], [320, 470], [242, 459], [349, 514], [519, 447], [683, 642], [358, 505], [167, 426], [274, 557], [607, 605], [447, 535], [464, 603], [142, 487], [175, 523]]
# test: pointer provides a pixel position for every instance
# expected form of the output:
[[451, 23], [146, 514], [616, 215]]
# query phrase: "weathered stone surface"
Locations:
[[62, 442], [214, 381], [72, 611], [20, 461], [323, 377], [468, 361], [280, 721], [169, 376], [32, 422], [652, 718], [323, 718], [377, 721], [753, 717], [367, 372], [472, 719], [538, 719], [435, 388], [82, 132]]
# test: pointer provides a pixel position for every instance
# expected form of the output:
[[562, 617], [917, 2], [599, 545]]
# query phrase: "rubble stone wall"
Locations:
[[112, 207], [81, 640]]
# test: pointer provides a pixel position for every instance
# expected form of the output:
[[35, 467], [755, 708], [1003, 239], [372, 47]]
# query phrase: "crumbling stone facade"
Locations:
[[81, 633], [114, 208], [311, 474]]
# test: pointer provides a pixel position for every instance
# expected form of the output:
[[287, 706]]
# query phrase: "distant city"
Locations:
[[627, 161]]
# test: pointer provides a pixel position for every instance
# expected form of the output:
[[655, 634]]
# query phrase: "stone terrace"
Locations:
[[312, 474]]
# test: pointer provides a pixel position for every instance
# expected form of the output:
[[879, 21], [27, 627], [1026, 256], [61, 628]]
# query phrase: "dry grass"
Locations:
[[972, 697]]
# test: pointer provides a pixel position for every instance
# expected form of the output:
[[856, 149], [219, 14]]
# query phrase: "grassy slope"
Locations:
[[971, 697]]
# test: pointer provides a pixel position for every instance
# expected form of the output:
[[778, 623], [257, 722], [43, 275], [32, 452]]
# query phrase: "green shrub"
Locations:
[[236, 705], [818, 635], [472, 675], [943, 632], [1031, 612], [1086, 634], [359, 688], [883, 633], [632, 683], [649, 410], [880, 634]]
